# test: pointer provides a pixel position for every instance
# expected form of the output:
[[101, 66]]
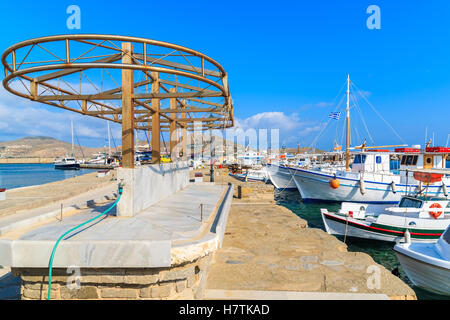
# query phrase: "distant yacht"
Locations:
[[68, 163]]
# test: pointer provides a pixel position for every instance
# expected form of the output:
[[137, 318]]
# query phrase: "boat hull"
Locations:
[[423, 274], [243, 177], [315, 186], [338, 225], [67, 166], [280, 177]]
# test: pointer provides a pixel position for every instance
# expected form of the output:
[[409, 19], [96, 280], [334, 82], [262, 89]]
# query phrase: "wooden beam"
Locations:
[[159, 61], [156, 124], [66, 72], [101, 96], [127, 108]]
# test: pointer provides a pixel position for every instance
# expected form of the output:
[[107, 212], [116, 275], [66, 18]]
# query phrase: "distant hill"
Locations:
[[44, 147], [48, 147]]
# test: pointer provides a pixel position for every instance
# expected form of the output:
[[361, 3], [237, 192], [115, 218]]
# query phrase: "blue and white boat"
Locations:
[[427, 265], [370, 180]]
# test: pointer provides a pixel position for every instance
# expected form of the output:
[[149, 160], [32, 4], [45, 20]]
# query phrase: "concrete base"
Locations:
[[163, 252], [146, 185]]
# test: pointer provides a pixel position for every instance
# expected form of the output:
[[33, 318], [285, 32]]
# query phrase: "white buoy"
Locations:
[[407, 236], [393, 187], [362, 187]]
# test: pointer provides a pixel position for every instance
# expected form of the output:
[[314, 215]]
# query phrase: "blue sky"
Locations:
[[286, 61]]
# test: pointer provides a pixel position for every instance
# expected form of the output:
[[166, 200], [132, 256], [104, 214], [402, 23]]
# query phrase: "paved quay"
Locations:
[[270, 253]]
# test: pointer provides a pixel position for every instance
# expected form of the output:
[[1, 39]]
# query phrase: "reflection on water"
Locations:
[[380, 251], [23, 175]]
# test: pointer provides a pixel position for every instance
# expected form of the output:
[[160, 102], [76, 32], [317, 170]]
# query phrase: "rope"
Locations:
[[50, 263], [381, 117]]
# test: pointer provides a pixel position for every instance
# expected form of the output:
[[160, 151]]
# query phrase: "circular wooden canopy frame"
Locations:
[[84, 73]]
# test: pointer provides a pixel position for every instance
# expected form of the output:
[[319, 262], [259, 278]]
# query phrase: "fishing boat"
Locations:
[[424, 217], [280, 176], [251, 175], [427, 265], [369, 178]]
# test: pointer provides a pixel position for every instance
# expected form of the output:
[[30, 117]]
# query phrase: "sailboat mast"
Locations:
[[347, 152], [109, 140], [71, 125]]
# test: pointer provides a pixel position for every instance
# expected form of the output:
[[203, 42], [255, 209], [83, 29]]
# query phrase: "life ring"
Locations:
[[435, 214]]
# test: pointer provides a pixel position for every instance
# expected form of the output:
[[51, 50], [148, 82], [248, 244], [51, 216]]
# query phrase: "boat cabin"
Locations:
[[371, 162], [430, 158], [427, 207]]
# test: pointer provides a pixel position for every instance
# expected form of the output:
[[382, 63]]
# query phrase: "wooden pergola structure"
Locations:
[[141, 83]]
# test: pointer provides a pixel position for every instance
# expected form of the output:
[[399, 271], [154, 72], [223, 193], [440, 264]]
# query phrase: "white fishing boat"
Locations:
[[251, 175], [425, 218], [427, 265], [100, 158], [369, 178], [280, 177]]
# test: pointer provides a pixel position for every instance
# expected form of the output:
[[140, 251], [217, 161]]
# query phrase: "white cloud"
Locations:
[[291, 127]]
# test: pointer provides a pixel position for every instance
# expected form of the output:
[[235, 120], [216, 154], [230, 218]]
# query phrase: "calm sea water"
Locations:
[[24, 175], [382, 252]]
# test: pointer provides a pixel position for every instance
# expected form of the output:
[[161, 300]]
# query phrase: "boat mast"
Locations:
[[347, 152], [109, 140], [71, 125]]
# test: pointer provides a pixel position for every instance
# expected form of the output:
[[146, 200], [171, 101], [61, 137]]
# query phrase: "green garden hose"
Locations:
[[50, 263]]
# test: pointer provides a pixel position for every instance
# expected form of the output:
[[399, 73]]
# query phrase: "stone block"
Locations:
[[177, 273], [162, 291], [180, 285], [85, 292], [119, 293], [141, 279]]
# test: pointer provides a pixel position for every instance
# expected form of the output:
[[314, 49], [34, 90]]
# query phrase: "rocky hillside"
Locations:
[[44, 147]]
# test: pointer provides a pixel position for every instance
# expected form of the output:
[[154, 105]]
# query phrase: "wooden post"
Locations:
[[127, 108], [34, 89], [173, 128], [184, 138], [156, 124]]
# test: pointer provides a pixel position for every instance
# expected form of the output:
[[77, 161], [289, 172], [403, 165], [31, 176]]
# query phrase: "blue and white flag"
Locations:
[[335, 115]]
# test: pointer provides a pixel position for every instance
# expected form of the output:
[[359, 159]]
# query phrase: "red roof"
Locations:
[[407, 150], [438, 149]]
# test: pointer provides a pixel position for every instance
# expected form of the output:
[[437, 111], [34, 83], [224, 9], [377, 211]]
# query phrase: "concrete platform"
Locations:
[[182, 223]]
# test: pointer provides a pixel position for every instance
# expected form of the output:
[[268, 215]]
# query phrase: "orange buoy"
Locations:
[[334, 183], [435, 214]]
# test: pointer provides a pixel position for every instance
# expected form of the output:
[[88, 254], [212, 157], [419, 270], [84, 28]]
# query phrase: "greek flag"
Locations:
[[335, 115]]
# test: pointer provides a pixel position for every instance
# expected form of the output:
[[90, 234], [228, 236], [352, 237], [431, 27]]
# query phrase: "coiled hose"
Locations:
[[50, 263]]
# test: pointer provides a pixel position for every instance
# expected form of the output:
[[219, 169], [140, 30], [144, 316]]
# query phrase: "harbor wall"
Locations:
[[183, 281], [144, 186], [26, 160]]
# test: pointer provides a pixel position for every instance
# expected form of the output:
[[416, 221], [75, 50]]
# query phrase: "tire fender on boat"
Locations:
[[362, 187], [444, 189], [393, 187]]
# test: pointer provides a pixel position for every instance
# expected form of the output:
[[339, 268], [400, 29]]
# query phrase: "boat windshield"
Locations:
[[446, 236], [410, 203], [360, 158]]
